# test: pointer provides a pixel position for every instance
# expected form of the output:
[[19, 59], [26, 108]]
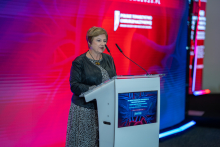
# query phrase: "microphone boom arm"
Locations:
[[130, 59]]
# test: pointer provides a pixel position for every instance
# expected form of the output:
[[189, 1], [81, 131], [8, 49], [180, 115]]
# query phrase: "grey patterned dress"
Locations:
[[82, 128]]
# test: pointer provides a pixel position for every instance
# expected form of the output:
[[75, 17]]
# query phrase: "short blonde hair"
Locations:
[[94, 32]]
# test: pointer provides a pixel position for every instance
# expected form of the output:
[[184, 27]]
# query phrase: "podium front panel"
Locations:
[[138, 123]]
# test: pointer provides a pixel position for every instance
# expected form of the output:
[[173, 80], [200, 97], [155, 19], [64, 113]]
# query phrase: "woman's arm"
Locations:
[[76, 85]]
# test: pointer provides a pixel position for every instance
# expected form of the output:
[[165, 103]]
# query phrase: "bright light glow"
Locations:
[[207, 91], [201, 92], [177, 130]]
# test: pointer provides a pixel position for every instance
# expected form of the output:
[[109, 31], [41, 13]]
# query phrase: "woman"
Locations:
[[88, 70]]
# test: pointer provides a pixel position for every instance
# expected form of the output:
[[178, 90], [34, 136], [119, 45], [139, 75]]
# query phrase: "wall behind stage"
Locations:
[[211, 71], [39, 39]]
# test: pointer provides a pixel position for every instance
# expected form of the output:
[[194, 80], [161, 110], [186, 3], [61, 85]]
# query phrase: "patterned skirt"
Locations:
[[82, 127]]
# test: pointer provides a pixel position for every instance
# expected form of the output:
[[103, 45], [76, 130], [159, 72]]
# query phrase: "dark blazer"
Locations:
[[84, 74]]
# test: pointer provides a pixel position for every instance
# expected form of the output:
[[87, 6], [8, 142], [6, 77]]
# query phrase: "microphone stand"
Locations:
[[112, 58]]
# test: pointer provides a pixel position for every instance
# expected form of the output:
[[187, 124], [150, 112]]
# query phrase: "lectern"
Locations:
[[128, 111]]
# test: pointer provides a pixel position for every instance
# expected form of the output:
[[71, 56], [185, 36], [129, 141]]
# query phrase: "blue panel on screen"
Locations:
[[137, 108]]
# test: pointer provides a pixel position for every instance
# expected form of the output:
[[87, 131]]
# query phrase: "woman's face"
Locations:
[[98, 44]]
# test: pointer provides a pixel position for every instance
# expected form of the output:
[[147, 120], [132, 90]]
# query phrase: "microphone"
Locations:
[[111, 56], [119, 49], [107, 49], [130, 59]]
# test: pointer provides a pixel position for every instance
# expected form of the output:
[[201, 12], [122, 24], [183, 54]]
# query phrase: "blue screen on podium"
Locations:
[[137, 108]]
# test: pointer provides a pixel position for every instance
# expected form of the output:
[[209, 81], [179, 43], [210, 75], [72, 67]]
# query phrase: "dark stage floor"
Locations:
[[196, 136], [210, 105], [205, 110]]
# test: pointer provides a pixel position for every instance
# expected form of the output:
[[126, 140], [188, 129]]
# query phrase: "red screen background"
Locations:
[[40, 39]]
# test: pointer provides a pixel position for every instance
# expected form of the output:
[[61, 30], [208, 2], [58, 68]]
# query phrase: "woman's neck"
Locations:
[[93, 55]]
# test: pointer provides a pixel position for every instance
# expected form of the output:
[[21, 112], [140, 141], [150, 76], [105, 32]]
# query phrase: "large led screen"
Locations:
[[197, 48], [39, 39]]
